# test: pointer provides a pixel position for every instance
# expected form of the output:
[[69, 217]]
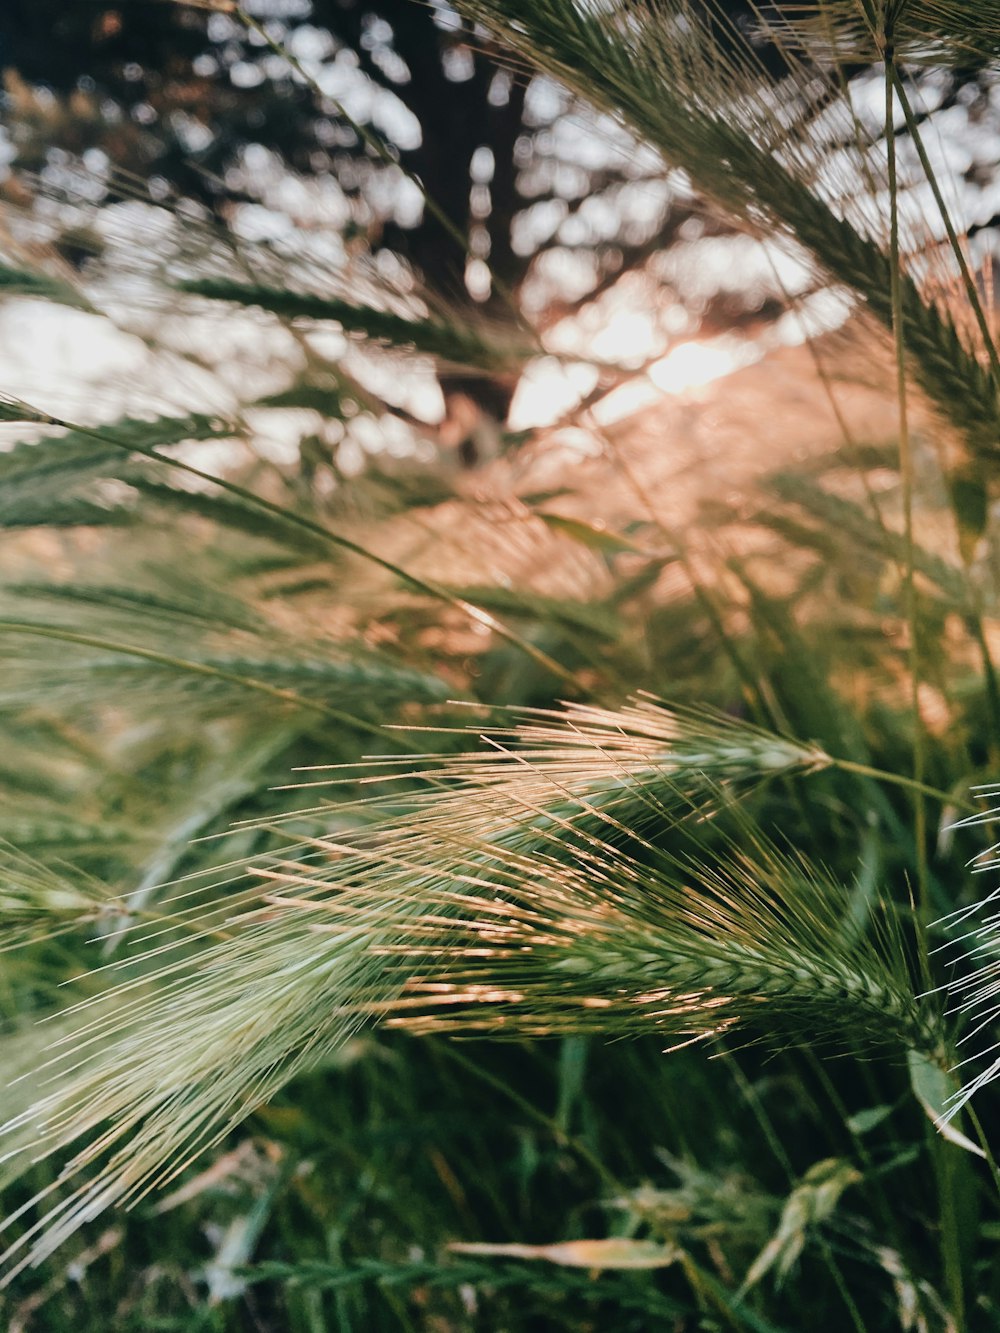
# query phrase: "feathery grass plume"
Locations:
[[851, 525], [132, 441], [615, 946], [39, 901], [515, 892], [586, 763], [974, 993], [754, 148], [452, 341], [922, 31], [230, 512], [88, 641], [63, 478]]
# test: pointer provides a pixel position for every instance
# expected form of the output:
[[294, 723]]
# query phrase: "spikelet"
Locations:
[[934, 32], [974, 937], [523, 889]]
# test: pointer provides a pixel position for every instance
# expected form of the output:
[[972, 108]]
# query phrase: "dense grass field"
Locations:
[[549, 894]]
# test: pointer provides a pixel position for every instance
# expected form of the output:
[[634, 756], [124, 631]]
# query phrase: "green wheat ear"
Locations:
[[449, 341], [563, 879], [934, 32]]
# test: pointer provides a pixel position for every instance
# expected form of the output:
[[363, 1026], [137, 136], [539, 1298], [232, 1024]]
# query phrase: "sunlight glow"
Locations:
[[692, 364], [550, 390], [686, 369]]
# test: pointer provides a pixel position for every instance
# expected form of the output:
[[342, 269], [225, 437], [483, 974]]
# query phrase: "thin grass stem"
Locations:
[[906, 474], [902, 780], [968, 281]]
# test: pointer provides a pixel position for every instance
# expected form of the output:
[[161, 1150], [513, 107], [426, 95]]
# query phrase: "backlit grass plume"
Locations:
[[692, 89], [568, 878], [931, 31], [974, 993]]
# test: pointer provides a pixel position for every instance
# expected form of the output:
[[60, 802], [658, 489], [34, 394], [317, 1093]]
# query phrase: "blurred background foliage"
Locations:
[[224, 217]]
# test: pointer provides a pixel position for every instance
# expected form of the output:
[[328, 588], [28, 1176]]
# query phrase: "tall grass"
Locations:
[[253, 847]]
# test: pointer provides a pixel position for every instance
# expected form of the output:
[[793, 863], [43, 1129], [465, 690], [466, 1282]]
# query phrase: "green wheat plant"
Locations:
[[516, 893]]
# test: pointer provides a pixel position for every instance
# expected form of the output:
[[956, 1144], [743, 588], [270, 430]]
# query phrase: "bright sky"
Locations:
[[79, 365]]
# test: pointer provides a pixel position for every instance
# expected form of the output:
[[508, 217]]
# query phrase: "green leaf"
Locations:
[[933, 1088], [616, 1252], [592, 535], [863, 1122], [29, 282]]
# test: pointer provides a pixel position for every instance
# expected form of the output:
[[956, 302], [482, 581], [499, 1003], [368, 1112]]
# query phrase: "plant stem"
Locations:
[[967, 279], [944, 1155], [951, 1257], [984, 1144], [906, 473], [901, 780]]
